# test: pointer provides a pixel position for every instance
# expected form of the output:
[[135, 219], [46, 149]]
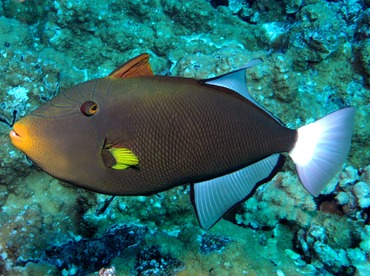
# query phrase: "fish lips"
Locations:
[[18, 135]]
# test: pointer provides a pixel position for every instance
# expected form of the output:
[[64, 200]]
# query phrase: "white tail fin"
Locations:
[[322, 148]]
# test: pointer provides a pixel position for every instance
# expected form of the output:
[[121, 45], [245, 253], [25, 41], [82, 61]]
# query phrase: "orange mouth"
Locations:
[[14, 135], [18, 135]]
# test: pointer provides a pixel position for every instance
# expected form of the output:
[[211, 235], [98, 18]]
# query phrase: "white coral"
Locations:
[[362, 193]]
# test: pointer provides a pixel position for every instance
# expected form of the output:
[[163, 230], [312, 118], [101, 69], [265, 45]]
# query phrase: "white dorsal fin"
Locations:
[[236, 81]]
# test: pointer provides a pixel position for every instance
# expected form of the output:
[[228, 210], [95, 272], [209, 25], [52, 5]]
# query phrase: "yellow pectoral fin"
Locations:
[[124, 158]]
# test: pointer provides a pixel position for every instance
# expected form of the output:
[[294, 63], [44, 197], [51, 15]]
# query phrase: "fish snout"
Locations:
[[14, 135], [19, 136]]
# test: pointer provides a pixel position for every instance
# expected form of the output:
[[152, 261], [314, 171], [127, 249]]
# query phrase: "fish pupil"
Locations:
[[93, 108]]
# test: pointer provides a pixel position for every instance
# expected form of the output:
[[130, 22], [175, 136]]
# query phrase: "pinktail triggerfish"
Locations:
[[134, 133]]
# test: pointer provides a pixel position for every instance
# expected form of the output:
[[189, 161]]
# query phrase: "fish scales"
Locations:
[[187, 132]]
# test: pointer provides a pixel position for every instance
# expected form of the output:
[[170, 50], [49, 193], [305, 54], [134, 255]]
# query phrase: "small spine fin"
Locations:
[[322, 148]]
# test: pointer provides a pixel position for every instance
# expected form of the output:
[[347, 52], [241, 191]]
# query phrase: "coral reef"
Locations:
[[328, 241], [210, 243], [81, 257], [316, 60], [151, 262]]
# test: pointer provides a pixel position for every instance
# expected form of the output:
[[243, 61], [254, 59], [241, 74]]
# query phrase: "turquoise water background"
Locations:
[[316, 60]]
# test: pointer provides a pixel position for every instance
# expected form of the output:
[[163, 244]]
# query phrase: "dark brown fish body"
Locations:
[[133, 133], [185, 132]]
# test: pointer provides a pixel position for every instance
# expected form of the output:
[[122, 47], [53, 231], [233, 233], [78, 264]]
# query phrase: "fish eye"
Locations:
[[89, 108]]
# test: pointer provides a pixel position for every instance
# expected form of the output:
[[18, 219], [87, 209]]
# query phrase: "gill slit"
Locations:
[[59, 106], [108, 92], [94, 90], [70, 99], [60, 116], [79, 92], [101, 140]]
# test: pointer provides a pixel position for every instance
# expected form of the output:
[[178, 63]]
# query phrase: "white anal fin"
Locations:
[[212, 198]]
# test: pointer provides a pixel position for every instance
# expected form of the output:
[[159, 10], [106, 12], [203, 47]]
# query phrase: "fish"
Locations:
[[135, 133]]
